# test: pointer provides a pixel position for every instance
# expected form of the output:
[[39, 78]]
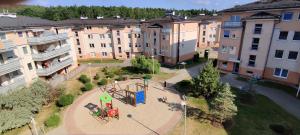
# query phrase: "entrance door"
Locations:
[[206, 54], [236, 67]]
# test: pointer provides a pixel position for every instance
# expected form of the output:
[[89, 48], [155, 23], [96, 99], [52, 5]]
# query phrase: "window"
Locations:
[[79, 50], [139, 36], [120, 49], [283, 35], [252, 59], [147, 44], [92, 46], [128, 26], [226, 33], [103, 45], [287, 16], [154, 33], [258, 28], [155, 51], [90, 36], [224, 64], [25, 51], [104, 53], [77, 40], [119, 41], [76, 33], [135, 35], [110, 44], [29, 66], [20, 34], [299, 17], [136, 45], [130, 45], [296, 35], [109, 35], [154, 42], [204, 32], [293, 55], [129, 35], [102, 36], [280, 72], [163, 37], [89, 27], [255, 43], [235, 18], [250, 72], [203, 40], [278, 53], [2, 36], [93, 54], [118, 33], [224, 48]]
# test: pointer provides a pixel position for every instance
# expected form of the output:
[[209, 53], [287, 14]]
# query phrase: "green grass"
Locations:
[[241, 79], [255, 119], [285, 88], [96, 60], [53, 120]]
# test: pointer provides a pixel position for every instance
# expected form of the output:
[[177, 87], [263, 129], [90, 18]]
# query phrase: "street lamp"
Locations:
[[152, 64], [183, 104]]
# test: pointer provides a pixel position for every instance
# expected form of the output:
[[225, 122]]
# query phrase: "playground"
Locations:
[[127, 107]]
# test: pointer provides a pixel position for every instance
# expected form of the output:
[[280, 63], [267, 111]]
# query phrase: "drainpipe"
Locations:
[[266, 61], [178, 44]]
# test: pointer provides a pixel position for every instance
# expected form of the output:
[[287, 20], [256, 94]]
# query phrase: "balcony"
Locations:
[[137, 30], [9, 66], [53, 68], [233, 58], [12, 84], [231, 24], [7, 45], [51, 54], [47, 38]]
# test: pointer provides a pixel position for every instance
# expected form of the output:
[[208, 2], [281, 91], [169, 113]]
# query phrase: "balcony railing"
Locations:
[[53, 68], [51, 54], [233, 58], [10, 66], [6, 45], [44, 39], [231, 24], [13, 84]]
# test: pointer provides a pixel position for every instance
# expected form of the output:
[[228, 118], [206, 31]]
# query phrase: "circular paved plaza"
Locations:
[[154, 117]]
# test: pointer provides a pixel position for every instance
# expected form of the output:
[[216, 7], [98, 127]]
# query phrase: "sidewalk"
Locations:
[[184, 74], [286, 101]]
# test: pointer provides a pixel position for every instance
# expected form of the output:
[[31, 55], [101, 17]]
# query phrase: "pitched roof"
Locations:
[[260, 5], [263, 15], [168, 19], [206, 18], [8, 23], [106, 21]]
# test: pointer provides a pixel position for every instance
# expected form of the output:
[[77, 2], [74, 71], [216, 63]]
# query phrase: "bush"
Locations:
[[87, 87], [184, 87], [196, 57], [145, 64], [96, 77], [65, 100], [121, 78], [147, 76], [84, 79], [52, 121], [102, 82]]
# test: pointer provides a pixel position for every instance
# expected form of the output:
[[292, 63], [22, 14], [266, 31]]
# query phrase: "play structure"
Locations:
[[133, 94], [105, 111]]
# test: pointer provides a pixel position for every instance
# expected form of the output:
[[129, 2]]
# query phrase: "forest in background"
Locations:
[[67, 12]]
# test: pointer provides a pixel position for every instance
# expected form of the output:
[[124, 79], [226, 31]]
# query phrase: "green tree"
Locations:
[[206, 83], [222, 106], [146, 65]]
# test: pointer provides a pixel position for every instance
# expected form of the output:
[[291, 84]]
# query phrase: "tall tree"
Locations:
[[206, 83], [222, 106]]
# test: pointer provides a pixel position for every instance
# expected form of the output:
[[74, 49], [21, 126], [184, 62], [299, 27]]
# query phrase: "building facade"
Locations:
[[262, 42]]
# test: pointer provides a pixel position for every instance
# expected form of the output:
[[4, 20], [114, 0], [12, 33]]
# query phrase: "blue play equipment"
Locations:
[[140, 97], [136, 93]]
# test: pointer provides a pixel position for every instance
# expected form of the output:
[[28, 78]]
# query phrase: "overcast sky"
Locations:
[[177, 4]]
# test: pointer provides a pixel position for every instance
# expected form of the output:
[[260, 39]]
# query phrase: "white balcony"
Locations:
[[6, 45], [137, 30], [47, 38], [9, 66], [51, 54], [54, 68], [231, 24], [12, 84]]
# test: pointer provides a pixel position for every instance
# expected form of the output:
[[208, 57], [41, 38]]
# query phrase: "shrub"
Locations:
[[65, 100], [147, 76], [87, 87], [121, 78], [96, 77], [184, 87], [145, 64], [102, 82], [52, 121], [84, 79]]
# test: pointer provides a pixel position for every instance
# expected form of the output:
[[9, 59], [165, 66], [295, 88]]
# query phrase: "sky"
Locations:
[[177, 4]]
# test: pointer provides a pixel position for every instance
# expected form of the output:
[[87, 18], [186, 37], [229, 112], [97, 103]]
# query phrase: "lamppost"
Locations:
[[183, 104], [90, 70], [152, 64]]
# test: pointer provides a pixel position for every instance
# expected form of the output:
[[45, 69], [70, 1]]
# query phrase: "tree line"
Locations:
[[67, 12]]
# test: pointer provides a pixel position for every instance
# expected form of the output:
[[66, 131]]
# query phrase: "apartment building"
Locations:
[[171, 39], [105, 38], [30, 48], [261, 39], [208, 35]]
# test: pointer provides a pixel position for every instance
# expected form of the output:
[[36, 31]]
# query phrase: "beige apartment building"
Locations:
[[261, 39], [31, 48], [170, 39]]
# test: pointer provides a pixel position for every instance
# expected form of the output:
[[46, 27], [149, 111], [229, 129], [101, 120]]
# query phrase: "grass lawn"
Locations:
[[241, 79], [162, 76], [85, 61], [250, 120]]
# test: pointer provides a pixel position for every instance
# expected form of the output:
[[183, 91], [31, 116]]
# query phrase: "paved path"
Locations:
[[183, 74], [286, 101]]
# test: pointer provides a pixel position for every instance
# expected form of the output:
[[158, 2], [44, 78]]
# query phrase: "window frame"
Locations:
[[281, 54], [252, 61], [283, 16], [281, 73], [286, 35], [298, 32], [293, 52]]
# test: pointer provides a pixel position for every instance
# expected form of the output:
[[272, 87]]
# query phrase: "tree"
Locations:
[[146, 65], [206, 83], [222, 106]]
